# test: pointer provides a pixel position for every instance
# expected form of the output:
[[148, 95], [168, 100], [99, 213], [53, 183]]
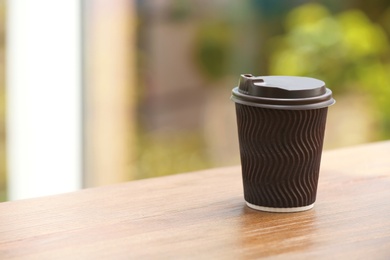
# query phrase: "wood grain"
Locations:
[[203, 215]]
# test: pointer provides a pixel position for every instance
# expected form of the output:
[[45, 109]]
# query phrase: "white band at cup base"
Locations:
[[270, 209]]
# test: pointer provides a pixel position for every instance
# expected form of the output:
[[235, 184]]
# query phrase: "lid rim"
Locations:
[[317, 102]]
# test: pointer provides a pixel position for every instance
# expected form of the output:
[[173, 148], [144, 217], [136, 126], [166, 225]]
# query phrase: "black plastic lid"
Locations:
[[282, 92]]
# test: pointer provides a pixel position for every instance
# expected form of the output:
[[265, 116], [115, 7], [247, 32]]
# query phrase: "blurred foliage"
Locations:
[[348, 51], [165, 154], [180, 10], [213, 46], [220, 37]]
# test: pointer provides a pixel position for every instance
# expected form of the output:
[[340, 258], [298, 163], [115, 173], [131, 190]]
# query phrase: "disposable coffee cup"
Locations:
[[281, 124]]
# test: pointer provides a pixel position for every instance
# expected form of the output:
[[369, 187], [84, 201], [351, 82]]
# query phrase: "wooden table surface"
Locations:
[[203, 215]]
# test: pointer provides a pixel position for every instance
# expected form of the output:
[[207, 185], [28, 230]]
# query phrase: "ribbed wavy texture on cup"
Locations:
[[280, 154]]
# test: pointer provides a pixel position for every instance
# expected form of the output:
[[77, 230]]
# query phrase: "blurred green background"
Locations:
[[191, 53]]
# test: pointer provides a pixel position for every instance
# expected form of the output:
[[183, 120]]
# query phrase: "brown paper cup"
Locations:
[[281, 124]]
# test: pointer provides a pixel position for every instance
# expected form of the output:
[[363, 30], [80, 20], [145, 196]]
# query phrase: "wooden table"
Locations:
[[203, 215]]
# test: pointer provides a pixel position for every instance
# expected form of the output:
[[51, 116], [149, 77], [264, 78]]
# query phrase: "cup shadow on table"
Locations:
[[265, 234]]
